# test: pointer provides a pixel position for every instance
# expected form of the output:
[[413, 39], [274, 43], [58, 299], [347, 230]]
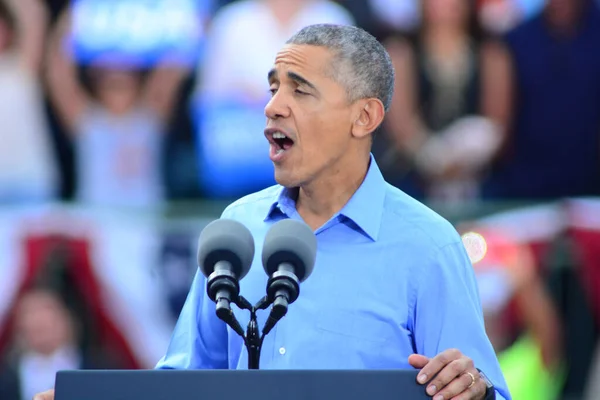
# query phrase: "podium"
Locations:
[[239, 384]]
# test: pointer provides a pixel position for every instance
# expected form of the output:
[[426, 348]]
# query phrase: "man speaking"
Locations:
[[392, 286]]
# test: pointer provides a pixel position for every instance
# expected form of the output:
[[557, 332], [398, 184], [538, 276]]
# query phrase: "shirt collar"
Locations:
[[364, 208]]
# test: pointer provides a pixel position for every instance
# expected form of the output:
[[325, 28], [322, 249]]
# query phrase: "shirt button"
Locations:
[[282, 350]]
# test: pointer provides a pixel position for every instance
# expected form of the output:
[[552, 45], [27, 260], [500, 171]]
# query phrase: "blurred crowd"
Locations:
[[110, 110]]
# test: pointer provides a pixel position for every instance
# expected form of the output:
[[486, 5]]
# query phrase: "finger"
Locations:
[[477, 391], [418, 361], [437, 363], [47, 395], [448, 374], [458, 386]]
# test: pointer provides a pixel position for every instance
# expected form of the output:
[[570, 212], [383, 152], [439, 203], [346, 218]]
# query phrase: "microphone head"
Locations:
[[226, 240], [290, 241]]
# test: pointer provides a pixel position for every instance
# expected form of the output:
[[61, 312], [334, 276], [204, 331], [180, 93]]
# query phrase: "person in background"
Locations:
[[28, 170], [551, 148], [499, 16], [246, 35], [381, 18], [118, 130], [441, 132], [46, 341], [529, 347], [230, 97]]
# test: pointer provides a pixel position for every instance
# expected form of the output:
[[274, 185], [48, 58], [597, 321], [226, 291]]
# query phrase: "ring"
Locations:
[[472, 379]]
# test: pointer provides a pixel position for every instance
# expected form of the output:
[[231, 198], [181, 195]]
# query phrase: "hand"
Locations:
[[48, 395], [449, 375]]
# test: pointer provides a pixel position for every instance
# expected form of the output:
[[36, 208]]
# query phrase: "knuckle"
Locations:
[[444, 359], [456, 367], [454, 353], [470, 363]]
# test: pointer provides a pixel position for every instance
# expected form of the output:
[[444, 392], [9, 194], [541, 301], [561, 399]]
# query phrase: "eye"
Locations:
[[273, 91], [300, 92]]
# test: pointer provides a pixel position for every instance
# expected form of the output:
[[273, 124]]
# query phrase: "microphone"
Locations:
[[225, 254], [289, 253]]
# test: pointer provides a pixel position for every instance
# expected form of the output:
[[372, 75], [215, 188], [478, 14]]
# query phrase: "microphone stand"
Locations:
[[253, 339]]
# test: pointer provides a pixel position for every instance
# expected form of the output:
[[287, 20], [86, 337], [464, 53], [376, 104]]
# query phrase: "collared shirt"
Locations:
[[391, 278]]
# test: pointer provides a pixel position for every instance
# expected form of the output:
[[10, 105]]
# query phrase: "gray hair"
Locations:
[[361, 64]]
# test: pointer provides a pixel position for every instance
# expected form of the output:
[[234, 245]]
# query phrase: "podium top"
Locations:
[[239, 384]]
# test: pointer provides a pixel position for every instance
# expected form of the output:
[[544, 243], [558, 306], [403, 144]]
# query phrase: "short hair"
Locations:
[[361, 64]]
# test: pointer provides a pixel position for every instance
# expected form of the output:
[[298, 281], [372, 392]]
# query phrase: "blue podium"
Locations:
[[240, 384]]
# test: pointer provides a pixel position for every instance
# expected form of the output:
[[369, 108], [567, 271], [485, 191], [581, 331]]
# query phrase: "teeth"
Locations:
[[279, 151], [279, 135]]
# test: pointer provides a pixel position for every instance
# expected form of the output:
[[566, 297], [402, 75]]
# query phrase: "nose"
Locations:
[[277, 107]]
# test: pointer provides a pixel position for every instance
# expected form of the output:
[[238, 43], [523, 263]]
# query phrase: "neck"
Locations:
[[444, 39], [322, 198], [48, 353], [285, 10]]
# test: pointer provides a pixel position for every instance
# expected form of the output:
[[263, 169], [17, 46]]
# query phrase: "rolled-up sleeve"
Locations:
[[448, 314]]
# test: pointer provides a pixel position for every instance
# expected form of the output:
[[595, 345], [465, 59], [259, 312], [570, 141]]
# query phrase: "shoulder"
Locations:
[[525, 30], [404, 216], [429, 243], [257, 203]]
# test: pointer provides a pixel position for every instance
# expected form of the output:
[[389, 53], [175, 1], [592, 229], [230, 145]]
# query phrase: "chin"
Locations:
[[285, 179]]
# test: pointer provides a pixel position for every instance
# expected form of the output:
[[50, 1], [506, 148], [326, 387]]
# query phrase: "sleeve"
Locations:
[[448, 314], [199, 340]]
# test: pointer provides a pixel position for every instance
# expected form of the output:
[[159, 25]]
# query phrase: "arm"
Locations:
[[32, 24], [403, 122], [66, 94], [199, 340], [539, 313], [497, 86], [162, 88], [218, 76], [448, 313]]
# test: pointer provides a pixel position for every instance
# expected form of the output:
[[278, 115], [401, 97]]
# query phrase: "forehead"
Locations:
[[311, 60]]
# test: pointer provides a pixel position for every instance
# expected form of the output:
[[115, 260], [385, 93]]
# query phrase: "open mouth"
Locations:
[[282, 142]]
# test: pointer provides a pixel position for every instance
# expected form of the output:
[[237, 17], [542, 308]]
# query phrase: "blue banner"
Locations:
[[233, 152], [138, 32]]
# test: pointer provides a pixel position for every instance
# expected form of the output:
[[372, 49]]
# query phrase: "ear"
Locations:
[[370, 113]]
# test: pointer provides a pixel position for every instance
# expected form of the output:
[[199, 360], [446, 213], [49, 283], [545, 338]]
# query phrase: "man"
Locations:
[[548, 80], [392, 286]]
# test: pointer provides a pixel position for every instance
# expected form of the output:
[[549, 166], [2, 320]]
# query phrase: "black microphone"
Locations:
[[288, 257], [225, 254]]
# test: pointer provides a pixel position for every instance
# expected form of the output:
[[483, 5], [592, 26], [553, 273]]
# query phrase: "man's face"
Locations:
[[309, 117], [564, 13]]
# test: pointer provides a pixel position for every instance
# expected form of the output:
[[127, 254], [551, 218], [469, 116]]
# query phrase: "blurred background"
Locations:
[[127, 125]]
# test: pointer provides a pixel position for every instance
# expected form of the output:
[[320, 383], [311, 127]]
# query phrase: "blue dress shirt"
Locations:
[[391, 278]]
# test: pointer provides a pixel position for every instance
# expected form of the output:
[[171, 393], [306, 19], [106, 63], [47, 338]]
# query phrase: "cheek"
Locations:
[[322, 134]]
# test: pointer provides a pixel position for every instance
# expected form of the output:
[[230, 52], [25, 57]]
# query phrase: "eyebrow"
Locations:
[[293, 76]]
